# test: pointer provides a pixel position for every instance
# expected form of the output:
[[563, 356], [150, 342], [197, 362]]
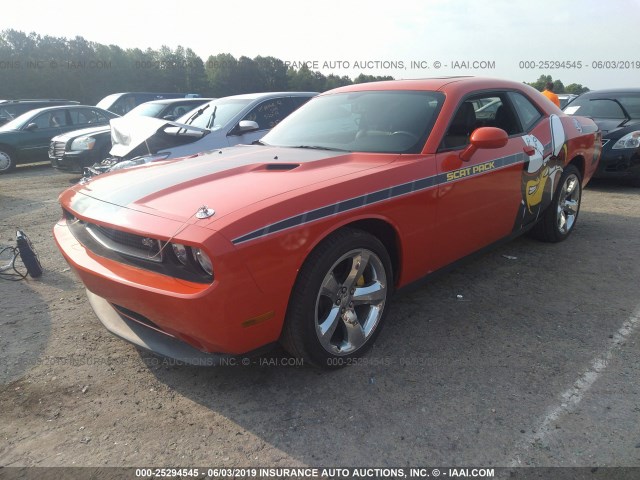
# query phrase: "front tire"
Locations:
[[559, 219], [339, 301], [7, 160]]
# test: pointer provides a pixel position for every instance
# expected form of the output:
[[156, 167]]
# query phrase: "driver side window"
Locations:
[[53, 119], [269, 113], [488, 110]]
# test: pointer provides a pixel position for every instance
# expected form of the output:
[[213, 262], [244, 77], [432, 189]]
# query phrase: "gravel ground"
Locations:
[[536, 364]]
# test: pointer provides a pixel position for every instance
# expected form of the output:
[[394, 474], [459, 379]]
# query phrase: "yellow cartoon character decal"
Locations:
[[541, 173]]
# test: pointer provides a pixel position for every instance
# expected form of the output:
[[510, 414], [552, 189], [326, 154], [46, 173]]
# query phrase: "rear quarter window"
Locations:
[[527, 112]]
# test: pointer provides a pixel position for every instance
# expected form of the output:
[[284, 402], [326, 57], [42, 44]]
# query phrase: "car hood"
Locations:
[[127, 133], [225, 180], [610, 126], [65, 137]]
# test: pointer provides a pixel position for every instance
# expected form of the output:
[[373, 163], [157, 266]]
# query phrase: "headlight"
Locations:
[[138, 161], [203, 260], [83, 143], [630, 140], [180, 252]]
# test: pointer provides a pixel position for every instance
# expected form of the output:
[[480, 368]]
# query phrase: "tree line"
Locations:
[[35, 66], [558, 86]]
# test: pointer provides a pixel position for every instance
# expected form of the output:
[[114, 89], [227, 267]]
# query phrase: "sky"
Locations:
[[589, 42]]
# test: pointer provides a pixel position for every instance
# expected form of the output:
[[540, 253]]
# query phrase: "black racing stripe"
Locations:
[[401, 189], [426, 182], [320, 213], [288, 223], [250, 236], [351, 204], [370, 198], [378, 196], [144, 182]]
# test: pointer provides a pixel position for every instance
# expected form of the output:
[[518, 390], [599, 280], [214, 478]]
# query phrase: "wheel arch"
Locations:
[[8, 147], [579, 162], [381, 228]]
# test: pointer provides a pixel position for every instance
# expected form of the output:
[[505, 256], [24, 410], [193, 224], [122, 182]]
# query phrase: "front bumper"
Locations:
[[223, 318], [72, 162], [619, 163], [127, 328]]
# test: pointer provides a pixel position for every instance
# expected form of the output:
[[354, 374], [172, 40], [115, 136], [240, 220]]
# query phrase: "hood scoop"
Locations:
[[279, 167]]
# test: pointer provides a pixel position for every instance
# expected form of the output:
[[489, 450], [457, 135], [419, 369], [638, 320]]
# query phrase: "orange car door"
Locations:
[[478, 199]]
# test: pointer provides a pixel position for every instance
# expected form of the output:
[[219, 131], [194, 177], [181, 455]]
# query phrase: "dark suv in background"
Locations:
[[10, 109]]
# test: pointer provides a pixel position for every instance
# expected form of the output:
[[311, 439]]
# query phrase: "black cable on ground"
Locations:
[[16, 275]]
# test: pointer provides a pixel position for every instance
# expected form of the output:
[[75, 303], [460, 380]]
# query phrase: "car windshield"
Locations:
[[371, 121], [215, 114], [18, 122], [606, 106], [107, 101], [149, 109]]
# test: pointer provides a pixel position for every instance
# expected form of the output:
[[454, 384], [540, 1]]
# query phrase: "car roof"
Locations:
[[267, 95], [433, 84], [165, 101], [611, 91], [38, 100], [65, 107]]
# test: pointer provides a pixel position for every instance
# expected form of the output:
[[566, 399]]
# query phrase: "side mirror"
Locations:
[[484, 137], [31, 127], [247, 126], [169, 117]]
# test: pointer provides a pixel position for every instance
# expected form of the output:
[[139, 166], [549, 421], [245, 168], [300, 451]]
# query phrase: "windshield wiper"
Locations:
[[319, 147], [196, 114], [212, 118]]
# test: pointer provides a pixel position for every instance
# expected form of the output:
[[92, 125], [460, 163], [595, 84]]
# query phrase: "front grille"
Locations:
[[56, 149]]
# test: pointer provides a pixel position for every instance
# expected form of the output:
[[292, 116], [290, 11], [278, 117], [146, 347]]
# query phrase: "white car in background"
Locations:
[[224, 122]]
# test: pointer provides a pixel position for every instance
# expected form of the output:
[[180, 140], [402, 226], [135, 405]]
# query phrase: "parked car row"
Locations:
[[170, 128], [224, 122], [72, 151], [178, 130]]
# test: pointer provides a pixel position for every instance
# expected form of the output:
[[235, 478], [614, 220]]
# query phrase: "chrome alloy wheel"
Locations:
[[568, 204], [5, 161], [350, 302]]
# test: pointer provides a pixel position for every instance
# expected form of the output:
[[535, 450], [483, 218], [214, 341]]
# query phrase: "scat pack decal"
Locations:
[[473, 170]]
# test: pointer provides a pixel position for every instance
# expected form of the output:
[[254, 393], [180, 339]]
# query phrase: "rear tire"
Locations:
[[339, 301], [559, 219]]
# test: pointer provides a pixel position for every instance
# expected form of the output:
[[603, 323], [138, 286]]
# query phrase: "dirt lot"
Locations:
[[536, 364]]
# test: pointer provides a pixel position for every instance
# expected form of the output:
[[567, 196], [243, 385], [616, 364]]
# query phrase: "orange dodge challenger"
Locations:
[[303, 237]]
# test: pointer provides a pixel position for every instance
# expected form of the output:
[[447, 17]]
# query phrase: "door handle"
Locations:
[[529, 150]]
